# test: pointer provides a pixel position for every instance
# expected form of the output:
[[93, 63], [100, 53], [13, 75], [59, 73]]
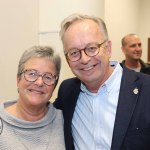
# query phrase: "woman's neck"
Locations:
[[27, 113]]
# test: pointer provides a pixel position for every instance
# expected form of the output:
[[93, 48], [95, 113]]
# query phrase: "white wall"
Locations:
[[53, 11], [144, 22], [18, 31], [121, 17]]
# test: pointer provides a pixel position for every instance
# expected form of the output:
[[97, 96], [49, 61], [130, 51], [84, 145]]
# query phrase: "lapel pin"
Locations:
[[135, 91]]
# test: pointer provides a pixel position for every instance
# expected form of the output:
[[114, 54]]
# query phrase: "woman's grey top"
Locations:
[[44, 134]]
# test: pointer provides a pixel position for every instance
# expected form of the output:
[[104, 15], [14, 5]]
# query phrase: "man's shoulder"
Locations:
[[133, 75], [145, 67], [144, 63], [71, 82]]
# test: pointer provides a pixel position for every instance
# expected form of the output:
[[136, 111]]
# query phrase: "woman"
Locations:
[[31, 122]]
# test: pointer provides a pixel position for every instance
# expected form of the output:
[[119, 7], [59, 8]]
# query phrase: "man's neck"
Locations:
[[132, 63], [94, 87]]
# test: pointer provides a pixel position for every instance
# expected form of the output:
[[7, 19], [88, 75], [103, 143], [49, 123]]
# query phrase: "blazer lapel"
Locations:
[[129, 92], [71, 101], [68, 110]]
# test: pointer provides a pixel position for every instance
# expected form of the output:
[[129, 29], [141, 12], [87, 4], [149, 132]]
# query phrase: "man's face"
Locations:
[[90, 70], [132, 48]]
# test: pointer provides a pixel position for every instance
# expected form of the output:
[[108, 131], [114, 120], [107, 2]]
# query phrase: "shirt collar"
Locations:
[[111, 81]]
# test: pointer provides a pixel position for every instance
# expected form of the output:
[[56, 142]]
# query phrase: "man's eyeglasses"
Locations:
[[33, 75], [90, 50]]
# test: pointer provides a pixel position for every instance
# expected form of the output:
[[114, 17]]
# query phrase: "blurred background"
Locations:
[[37, 22]]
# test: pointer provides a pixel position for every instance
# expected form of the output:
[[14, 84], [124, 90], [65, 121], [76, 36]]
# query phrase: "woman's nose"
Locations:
[[39, 81]]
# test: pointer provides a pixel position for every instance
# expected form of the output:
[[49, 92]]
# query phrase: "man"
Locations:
[[132, 49], [105, 107]]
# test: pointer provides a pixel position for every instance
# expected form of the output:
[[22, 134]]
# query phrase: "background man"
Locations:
[[132, 49]]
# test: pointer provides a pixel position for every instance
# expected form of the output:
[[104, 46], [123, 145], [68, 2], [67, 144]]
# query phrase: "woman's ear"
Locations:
[[18, 80]]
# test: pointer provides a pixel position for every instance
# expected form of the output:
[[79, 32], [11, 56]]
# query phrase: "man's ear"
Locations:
[[109, 48], [67, 61]]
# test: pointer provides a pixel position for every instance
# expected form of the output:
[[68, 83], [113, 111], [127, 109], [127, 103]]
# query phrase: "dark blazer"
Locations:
[[132, 123]]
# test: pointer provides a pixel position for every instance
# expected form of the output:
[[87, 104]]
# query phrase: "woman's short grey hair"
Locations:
[[78, 17], [40, 52]]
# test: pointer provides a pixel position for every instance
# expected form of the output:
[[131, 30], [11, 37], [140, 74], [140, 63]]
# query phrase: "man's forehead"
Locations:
[[132, 40]]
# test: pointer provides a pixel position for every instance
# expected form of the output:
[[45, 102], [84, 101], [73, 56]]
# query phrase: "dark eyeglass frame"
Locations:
[[36, 75], [68, 54]]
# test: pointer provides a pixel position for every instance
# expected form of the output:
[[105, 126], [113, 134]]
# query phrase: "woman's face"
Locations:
[[36, 93]]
